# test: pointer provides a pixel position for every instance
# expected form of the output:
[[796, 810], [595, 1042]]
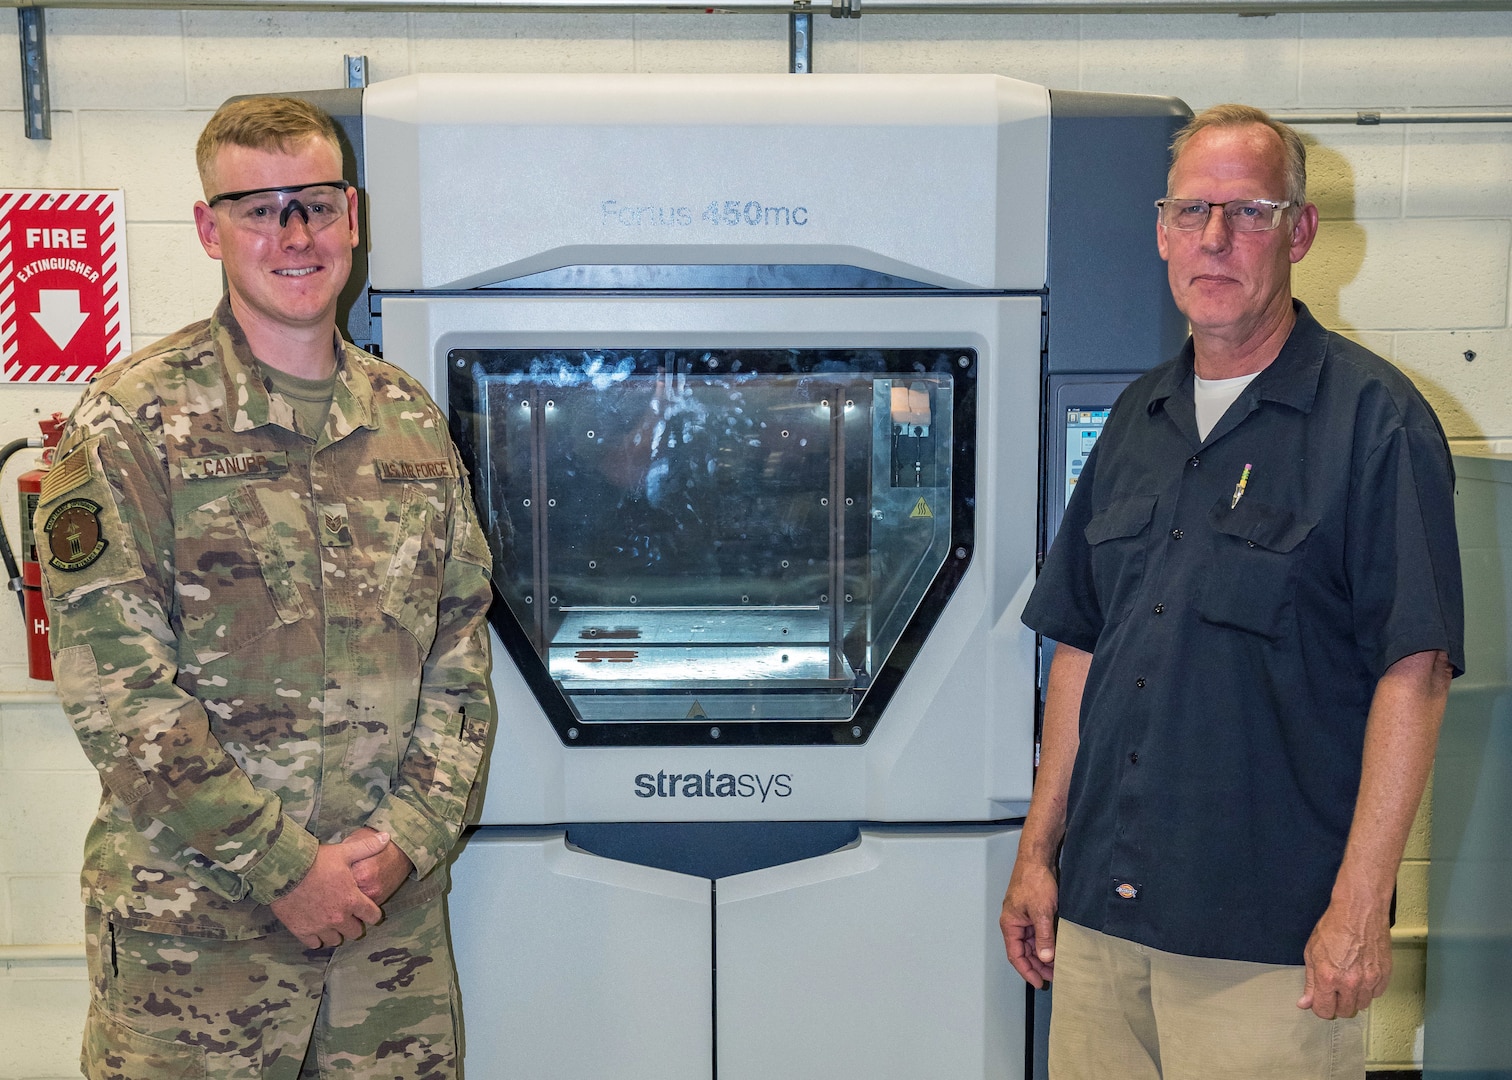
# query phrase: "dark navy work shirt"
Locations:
[[1236, 648]]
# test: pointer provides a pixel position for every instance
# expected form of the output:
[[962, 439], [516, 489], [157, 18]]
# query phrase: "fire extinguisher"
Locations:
[[28, 582]]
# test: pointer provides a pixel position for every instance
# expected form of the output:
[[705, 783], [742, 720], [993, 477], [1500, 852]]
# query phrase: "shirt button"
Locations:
[[1139, 683], [1175, 534], [1134, 758], [1194, 462], [1159, 609]]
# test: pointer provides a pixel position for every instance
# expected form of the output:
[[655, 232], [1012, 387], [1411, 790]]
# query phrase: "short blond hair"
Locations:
[[262, 123], [1294, 161]]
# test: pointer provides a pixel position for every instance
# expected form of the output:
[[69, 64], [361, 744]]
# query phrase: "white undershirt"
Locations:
[[1214, 396]]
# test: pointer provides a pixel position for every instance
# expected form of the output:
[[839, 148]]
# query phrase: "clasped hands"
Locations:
[[342, 893]]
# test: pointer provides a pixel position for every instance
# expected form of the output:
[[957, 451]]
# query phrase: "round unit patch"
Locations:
[[73, 535]]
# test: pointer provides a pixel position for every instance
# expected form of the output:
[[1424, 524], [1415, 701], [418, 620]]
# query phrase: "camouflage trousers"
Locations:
[[164, 1008]]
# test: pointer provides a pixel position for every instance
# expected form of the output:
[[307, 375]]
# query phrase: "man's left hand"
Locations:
[[1348, 960], [379, 876]]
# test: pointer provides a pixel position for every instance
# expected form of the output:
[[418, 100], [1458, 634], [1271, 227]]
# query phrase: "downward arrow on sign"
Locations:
[[58, 313]]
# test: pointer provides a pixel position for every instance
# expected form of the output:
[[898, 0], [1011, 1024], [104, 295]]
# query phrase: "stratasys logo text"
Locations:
[[712, 785]]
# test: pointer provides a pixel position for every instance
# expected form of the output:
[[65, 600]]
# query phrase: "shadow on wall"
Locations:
[[1335, 262], [1339, 251], [1452, 407]]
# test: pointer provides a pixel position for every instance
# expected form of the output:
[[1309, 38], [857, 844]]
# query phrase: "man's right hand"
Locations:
[[327, 907], [1028, 921]]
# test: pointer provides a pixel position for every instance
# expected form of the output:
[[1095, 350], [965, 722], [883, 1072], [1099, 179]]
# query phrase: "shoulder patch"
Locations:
[[66, 475], [74, 537], [414, 470]]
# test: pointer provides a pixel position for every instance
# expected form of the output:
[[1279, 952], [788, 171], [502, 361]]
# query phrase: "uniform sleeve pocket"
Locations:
[[472, 546], [83, 694], [1258, 556], [471, 744], [472, 737]]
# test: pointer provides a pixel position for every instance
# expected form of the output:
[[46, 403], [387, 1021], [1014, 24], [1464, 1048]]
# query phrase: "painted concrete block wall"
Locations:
[[1413, 260]]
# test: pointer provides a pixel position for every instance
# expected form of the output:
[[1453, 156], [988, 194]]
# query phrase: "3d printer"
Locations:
[[770, 388]]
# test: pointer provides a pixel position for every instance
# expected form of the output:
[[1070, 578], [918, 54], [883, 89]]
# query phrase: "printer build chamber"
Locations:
[[728, 543]]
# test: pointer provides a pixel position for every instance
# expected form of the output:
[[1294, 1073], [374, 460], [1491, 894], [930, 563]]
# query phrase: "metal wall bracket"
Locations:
[[356, 72], [845, 9], [801, 40], [36, 107]]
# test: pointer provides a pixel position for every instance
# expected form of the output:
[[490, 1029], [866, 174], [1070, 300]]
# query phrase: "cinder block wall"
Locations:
[[1413, 260]]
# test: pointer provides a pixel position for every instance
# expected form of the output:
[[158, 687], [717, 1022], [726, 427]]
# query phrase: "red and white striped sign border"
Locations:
[[110, 208]]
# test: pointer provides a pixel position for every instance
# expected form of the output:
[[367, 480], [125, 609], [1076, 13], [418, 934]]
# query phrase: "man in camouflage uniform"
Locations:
[[267, 587]]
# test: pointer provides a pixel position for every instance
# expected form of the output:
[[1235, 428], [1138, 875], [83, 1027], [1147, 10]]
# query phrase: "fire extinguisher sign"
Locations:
[[63, 307]]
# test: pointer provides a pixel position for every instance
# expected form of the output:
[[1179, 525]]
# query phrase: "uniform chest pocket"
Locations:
[[412, 587], [1118, 536], [234, 580], [1257, 560]]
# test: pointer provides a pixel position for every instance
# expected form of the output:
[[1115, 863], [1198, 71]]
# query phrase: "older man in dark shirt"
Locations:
[[1257, 600]]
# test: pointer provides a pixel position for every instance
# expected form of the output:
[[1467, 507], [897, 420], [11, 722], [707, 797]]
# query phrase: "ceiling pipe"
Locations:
[[1373, 118], [34, 64], [837, 8]]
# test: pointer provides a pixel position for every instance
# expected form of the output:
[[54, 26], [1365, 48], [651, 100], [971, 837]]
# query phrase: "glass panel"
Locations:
[[707, 538]]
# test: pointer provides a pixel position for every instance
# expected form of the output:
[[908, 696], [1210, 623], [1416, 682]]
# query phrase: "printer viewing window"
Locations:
[[697, 545]]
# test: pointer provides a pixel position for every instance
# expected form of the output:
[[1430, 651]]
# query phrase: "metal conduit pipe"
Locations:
[[32, 25], [837, 8], [1373, 118], [39, 954]]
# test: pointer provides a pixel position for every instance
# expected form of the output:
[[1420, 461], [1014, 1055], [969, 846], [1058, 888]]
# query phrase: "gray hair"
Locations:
[[1294, 161]]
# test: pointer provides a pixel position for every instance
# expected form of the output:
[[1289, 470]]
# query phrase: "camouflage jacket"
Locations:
[[263, 640]]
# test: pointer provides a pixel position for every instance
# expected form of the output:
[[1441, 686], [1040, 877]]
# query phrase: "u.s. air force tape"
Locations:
[[74, 540], [413, 470]]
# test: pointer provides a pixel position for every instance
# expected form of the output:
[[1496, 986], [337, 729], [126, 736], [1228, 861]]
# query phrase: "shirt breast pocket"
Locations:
[[412, 589], [235, 582], [1118, 536], [1257, 560]]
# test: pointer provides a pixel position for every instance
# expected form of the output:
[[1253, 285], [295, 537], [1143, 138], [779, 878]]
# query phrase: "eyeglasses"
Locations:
[[1242, 215], [267, 210]]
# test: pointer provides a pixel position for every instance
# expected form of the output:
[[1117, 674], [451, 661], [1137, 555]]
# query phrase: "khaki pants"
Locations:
[[166, 1008], [1128, 1011]]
